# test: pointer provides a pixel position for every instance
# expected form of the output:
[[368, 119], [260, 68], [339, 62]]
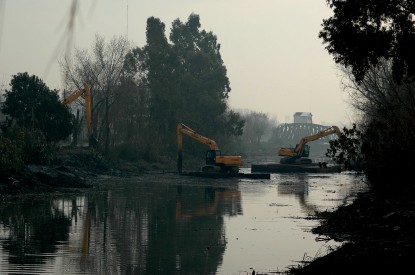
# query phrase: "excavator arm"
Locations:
[[86, 92], [299, 148], [326, 132], [183, 129]]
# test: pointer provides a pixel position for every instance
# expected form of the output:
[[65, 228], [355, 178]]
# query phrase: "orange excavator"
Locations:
[[86, 93], [215, 161], [299, 154]]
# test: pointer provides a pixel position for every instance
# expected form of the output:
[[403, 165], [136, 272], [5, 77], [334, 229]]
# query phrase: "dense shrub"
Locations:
[[10, 156], [30, 146]]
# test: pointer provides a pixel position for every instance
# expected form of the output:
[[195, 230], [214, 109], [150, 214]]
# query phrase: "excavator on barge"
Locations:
[[215, 161], [300, 153], [217, 164], [295, 159]]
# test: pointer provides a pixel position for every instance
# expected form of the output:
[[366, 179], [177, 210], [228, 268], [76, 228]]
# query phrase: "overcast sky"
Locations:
[[275, 61]]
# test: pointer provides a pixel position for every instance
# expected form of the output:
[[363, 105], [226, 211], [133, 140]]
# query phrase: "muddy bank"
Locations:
[[377, 234], [72, 169]]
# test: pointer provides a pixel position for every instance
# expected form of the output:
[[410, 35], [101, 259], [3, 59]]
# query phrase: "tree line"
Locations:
[[138, 96]]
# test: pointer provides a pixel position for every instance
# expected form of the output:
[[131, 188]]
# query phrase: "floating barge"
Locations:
[[228, 175], [294, 168]]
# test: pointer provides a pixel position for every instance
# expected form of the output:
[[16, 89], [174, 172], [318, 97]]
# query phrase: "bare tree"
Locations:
[[101, 68], [378, 95], [256, 126]]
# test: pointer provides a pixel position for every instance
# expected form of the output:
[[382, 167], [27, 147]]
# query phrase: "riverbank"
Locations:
[[73, 168], [377, 233]]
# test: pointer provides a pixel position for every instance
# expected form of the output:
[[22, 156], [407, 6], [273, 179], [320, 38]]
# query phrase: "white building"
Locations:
[[303, 117]]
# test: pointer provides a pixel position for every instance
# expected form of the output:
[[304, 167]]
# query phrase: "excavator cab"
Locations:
[[211, 156], [300, 159], [306, 151]]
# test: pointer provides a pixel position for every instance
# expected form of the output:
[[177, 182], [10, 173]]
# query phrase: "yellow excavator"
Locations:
[[215, 161], [86, 93], [299, 154]]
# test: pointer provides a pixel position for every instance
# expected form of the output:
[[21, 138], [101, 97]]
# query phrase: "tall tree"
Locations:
[[204, 86], [160, 62], [185, 81], [141, 135], [34, 106], [360, 33]]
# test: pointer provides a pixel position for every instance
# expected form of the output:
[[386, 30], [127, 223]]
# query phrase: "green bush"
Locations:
[[32, 145], [10, 156]]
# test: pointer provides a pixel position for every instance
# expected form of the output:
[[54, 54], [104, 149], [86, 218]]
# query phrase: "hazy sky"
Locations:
[[275, 61]]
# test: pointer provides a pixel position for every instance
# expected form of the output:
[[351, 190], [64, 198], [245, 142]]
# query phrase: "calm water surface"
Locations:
[[171, 224]]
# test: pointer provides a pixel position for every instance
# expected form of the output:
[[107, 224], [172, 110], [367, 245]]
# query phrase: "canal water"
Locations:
[[172, 224]]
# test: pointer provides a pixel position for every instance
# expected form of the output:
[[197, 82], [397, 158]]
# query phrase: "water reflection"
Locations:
[[298, 188], [163, 225], [320, 192], [217, 201], [200, 226], [137, 229], [31, 229]]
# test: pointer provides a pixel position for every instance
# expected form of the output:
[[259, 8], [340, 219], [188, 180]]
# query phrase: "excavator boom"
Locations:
[[181, 128]]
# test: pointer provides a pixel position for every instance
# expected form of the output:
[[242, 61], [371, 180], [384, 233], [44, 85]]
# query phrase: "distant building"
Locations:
[[303, 117]]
